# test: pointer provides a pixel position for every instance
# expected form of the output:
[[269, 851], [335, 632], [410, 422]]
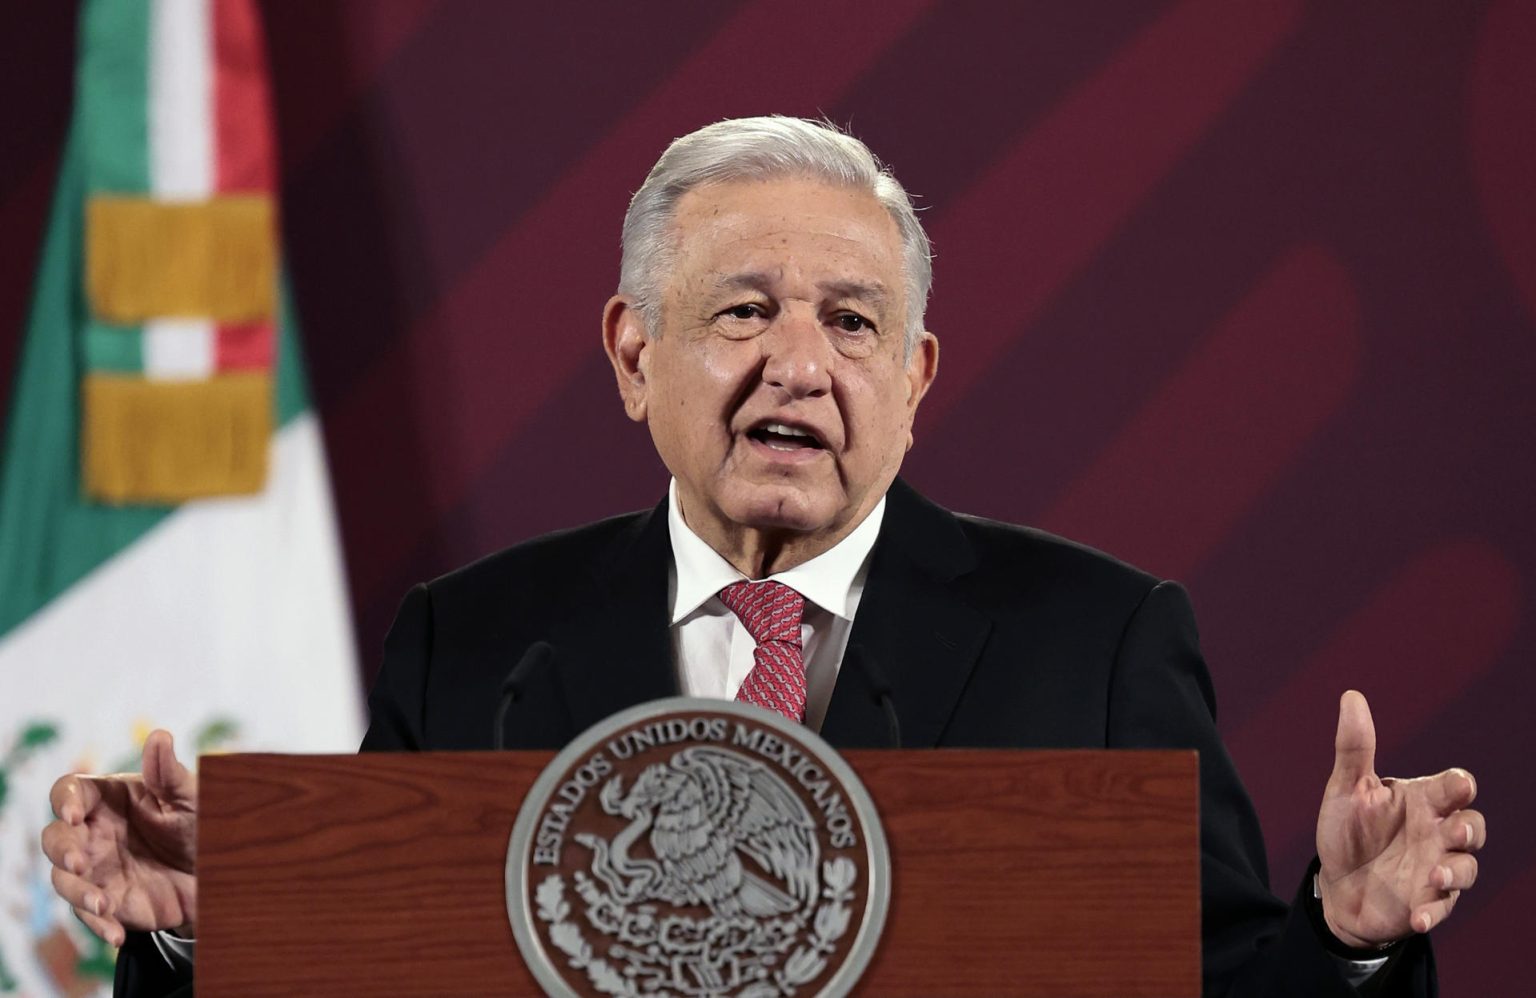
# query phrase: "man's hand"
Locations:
[[123, 846], [1395, 853]]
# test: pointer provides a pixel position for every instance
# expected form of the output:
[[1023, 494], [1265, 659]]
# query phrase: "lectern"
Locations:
[[1013, 873]]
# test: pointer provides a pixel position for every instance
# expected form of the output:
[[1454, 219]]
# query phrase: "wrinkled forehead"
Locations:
[[786, 230]]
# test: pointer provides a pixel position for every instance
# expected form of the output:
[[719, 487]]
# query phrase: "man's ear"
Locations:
[[625, 343], [922, 368]]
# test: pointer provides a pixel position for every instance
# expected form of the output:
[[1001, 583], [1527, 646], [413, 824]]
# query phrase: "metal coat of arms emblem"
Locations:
[[691, 848]]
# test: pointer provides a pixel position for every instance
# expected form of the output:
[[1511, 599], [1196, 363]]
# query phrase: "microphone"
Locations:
[[537, 656], [879, 686]]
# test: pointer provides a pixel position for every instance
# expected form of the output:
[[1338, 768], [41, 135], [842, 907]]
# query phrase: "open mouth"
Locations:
[[785, 438]]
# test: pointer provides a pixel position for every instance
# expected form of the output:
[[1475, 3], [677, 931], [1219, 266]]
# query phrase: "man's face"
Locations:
[[777, 391]]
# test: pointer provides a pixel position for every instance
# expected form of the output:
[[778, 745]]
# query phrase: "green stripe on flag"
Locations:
[[50, 537], [292, 384], [114, 349], [113, 95]]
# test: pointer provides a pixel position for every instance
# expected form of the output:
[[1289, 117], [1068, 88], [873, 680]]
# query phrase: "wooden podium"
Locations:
[[1013, 873]]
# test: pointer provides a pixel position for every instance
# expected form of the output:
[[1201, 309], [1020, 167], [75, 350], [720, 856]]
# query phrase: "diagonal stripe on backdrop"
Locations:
[[1432, 630], [1473, 947], [1275, 371], [28, 200], [447, 354], [26, 212], [372, 41], [1064, 189]]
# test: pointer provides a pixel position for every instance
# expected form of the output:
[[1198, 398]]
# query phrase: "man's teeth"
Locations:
[[786, 438]]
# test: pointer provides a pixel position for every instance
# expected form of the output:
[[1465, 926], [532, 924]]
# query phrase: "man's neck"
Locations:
[[758, 553], [761, 553], [828, 580]]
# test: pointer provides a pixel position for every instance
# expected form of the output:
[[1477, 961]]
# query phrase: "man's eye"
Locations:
[[748, 311], [852, 322]]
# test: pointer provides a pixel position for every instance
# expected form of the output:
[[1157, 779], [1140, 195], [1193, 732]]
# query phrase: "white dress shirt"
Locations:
[[711, 647]]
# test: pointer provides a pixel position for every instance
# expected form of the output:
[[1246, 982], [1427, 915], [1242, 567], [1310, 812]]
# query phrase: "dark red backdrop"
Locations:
[[1243, 292]]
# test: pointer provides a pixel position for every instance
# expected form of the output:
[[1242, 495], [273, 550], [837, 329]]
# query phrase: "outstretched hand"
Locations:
[[123, 846], [1395, 854]]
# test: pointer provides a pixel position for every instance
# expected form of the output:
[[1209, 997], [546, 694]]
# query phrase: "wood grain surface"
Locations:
[[1014, 873]]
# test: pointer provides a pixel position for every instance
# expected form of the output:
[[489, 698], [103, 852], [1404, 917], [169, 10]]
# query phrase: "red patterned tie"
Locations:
[[771, 613]]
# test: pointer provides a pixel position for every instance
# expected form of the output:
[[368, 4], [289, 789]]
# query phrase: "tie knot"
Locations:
[[770, 611]]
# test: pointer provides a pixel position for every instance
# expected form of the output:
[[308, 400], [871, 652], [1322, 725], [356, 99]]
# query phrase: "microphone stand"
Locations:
[[879, 686], [537, 656]]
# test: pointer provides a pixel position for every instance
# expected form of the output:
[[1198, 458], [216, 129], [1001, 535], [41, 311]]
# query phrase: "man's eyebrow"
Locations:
[[752, 280], [872, 292]]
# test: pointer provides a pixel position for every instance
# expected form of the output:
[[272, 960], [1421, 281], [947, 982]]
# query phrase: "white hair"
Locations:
[[761, 149]]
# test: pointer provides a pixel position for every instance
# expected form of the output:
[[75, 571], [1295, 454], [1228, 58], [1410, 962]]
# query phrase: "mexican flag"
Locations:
[[168, 551]]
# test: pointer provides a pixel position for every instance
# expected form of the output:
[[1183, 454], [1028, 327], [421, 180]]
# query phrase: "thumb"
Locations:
[[1354, 746], [164, 775]]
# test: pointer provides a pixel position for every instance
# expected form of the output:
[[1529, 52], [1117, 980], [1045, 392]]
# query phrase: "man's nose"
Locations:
[[798, 358]]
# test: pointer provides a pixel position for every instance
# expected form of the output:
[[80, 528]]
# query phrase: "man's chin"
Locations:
[[784, 508]]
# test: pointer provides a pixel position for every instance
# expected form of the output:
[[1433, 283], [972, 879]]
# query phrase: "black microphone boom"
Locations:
[[879, 686], [536, 657]]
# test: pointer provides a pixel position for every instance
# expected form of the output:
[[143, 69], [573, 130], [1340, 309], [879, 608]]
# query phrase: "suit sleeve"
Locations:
[[396, 704], [1255, 946], [144, 972]]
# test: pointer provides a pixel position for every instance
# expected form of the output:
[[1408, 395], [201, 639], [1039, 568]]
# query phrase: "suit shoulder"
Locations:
[[1008, 560], [559, 558], [1029, 554]]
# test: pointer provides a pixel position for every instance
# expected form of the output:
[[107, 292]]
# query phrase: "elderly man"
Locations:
[[769, 330]]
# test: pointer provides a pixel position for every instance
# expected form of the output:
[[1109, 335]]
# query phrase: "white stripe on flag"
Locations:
[[180, 100], [178, 349]]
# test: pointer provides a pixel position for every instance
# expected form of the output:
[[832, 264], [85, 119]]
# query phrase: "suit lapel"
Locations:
[[616, 651], [913, 627]]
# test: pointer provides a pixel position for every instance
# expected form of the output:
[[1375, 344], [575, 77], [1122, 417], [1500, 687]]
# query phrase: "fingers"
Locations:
[[64, 845], [1450, 790], [109, 929], [90, 903], [81, 894], [1462, 832], [1466, 831], [1456, 872], [1427, 916], [1354, 745], [73, 797], [164, 775]]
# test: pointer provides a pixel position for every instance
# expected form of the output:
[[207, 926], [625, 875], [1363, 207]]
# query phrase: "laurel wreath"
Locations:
[[553, 909], [831, 922], [804, 965]]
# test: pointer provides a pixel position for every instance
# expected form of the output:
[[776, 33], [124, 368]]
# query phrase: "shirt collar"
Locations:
[[825, 580]]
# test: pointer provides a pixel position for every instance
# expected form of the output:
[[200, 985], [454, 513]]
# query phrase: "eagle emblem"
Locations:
[[724, 830], [697, 849]]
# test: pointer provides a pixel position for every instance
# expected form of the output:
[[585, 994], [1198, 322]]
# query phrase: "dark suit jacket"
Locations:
[[989, 635]]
